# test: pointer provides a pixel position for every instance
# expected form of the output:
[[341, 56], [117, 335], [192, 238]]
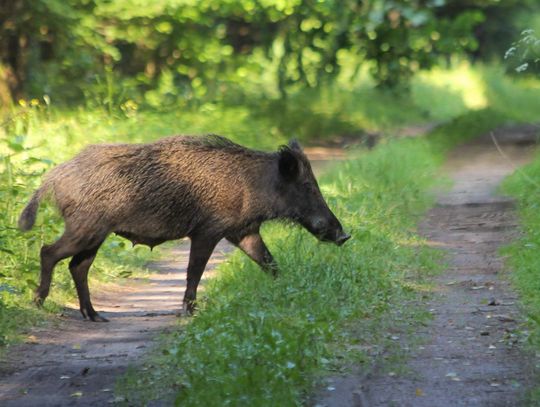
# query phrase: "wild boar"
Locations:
[[206, 188]]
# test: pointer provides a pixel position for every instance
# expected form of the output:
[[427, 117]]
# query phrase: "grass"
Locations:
[[260, 341], [522, 255]]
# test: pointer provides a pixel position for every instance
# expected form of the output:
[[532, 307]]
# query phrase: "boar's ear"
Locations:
[[294, 145], [289, 166]]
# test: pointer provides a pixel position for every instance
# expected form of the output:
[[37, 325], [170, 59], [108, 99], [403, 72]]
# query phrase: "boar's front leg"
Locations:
[[200, 251], [254, 247], [78, 266]]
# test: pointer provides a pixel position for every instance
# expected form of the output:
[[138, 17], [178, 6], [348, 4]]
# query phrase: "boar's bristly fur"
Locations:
[[206, 188]]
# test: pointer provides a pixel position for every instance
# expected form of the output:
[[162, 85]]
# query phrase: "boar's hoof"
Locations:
[[98, 318], [38, 300], [188, 308], [39, 297], [93, 316]]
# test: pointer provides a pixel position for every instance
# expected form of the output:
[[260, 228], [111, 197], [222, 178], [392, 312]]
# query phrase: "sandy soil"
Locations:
[[470, 355]]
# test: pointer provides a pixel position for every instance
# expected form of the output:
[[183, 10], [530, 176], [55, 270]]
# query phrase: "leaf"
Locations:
[[76, 394], [31, 283], [2, 249], [32, 160], [16, 147], [522, 67]]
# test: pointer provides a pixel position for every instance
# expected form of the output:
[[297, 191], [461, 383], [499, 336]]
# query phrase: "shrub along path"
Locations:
[[470, 355]]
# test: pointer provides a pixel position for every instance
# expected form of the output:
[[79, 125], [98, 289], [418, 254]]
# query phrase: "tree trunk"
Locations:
[[7, 80]]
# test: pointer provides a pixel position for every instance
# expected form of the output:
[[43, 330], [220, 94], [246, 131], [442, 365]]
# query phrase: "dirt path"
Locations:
[[470, 354], [75, 362]]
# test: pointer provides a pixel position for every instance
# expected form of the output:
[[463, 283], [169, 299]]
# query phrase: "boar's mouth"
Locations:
[[323, 234], [338, 238], [342, 238]]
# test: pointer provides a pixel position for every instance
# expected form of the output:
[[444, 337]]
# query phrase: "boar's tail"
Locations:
[[28, 215]]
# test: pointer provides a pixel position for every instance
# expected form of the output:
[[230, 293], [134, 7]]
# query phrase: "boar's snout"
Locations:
[[329, 231], [342, 238]]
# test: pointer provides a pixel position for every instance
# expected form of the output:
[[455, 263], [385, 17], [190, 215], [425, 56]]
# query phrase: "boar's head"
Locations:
[[302, 197]]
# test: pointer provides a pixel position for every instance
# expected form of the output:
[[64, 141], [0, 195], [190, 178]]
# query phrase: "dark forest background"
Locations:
[[166, 52]]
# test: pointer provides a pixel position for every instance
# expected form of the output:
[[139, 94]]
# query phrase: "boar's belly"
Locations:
[[146, 240]]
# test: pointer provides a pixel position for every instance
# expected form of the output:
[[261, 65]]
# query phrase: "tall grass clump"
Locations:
[[261, 341]]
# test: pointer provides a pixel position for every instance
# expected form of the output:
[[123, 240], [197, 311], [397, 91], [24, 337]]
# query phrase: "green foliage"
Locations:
[[450, 93], [174, 52], [261, 341], [524, 55], [520, 103], [405, 36], [524, 185]]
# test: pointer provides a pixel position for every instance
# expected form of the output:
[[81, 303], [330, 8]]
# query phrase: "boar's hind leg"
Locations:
[[254, 247], [78, 266], [63, 248], [200, 251]]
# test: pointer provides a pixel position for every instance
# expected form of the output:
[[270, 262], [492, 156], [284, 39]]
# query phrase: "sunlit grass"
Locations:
[[464, 82], [517, 97]]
